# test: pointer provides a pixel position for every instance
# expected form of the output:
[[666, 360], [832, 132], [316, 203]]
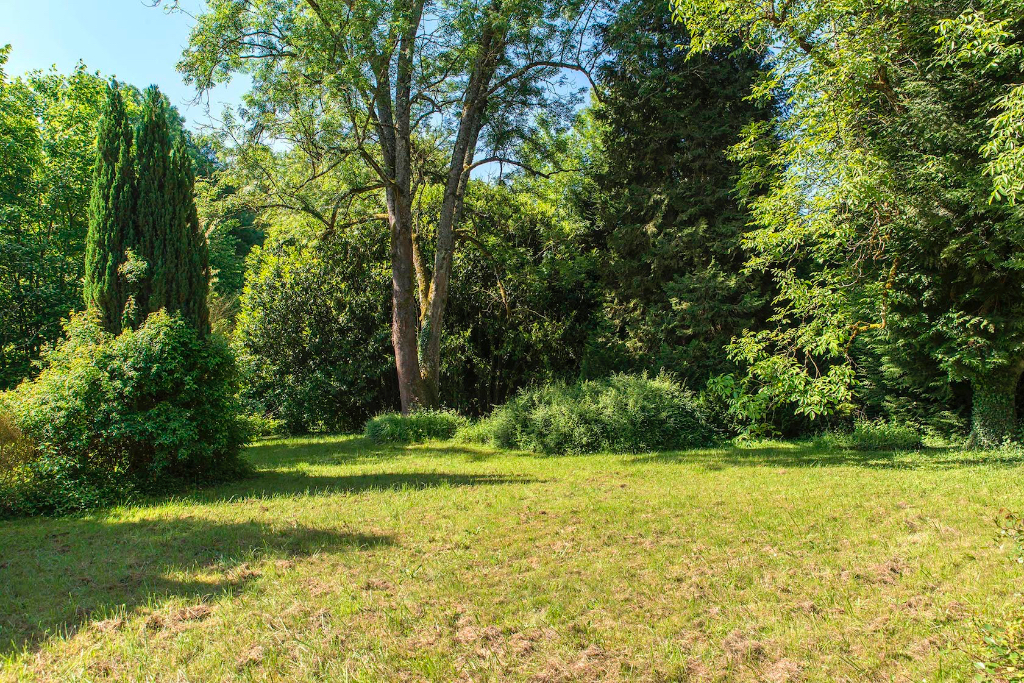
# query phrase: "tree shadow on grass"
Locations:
[[58, 575], [292, 482], [337, 450], [811, 455], [323, 450]]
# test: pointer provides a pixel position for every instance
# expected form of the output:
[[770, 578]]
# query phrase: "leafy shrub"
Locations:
[[313, 333], [111, 416], [876, 435], [261, 426], [17, 453], [1002, 659], [624, 413], [414, 428]]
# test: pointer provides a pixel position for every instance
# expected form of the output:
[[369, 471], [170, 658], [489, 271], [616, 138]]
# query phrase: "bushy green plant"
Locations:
[[312, 334], [116, 415], [877, 435], [624, 413], [17, 453], [416, 427], [262, 426]]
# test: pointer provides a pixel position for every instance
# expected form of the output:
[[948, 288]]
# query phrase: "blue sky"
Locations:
[[125, 38]]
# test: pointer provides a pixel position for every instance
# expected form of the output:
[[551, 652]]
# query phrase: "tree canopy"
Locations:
[[881, 223], [409, 88]]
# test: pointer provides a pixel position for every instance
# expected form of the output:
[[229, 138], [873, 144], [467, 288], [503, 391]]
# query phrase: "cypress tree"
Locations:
[[155, 208], [112, 207], [169, 237], [192, 259]]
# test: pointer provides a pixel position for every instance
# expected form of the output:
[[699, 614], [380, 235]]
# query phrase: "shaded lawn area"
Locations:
[[341, 560]]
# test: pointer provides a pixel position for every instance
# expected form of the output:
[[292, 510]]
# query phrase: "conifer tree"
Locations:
[[112, 206], [169, 238], [192, 260], [664, 197], [155, 208]]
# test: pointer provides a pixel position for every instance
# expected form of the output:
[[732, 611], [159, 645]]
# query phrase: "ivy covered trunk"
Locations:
[[994, 410]]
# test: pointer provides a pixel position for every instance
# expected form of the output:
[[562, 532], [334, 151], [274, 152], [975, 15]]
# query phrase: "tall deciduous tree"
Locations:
[[20, 154], [386, 81], [112, 213]]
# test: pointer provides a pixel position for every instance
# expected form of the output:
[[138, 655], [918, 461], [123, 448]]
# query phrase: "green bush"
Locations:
[[414, 428], [17, 453], [624, 413], [261, 426], [147, 410], [876, 435]]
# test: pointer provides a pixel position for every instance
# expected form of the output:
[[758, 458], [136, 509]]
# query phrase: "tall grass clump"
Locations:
[[416, 427], [623, 413], [876, 435]]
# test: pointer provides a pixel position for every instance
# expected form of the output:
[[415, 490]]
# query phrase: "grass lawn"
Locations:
[[344, 561]]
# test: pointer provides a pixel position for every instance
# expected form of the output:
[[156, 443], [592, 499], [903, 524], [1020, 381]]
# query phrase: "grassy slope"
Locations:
[[343, 561]]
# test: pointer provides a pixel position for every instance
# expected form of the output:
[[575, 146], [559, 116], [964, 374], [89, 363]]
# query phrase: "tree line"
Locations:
[[806, 211]]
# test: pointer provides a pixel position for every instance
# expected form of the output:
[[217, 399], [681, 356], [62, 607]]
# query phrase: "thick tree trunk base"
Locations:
[[994, 410]]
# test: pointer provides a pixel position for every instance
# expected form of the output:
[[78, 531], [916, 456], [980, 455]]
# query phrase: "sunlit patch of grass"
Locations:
[[341, 560]]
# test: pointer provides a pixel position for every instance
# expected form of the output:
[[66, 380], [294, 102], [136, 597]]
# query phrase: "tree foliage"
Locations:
[[112, 214], [145, 249], [47, 147], [662, 195], [880, 224], [391, 83]]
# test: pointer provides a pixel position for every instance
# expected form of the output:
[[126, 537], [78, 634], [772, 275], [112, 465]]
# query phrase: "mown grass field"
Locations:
[[345, 561]]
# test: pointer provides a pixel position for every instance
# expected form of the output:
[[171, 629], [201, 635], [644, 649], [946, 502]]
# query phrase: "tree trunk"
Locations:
[[394, 129], [417, 338], [404, 318], [491, 48], [993, 409]]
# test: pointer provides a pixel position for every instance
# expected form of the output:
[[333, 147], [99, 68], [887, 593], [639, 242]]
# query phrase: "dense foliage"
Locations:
[[313, 331], [807, 213], [624, 413], [314, 327], [423, 425], [48, 139], [111, 416], [660, 190], [880, 228], [168, 237], [47, 147], [145, 251], [112, 215]]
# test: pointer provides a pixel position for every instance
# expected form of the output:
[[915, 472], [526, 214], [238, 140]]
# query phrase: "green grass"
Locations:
[[345, 561]]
